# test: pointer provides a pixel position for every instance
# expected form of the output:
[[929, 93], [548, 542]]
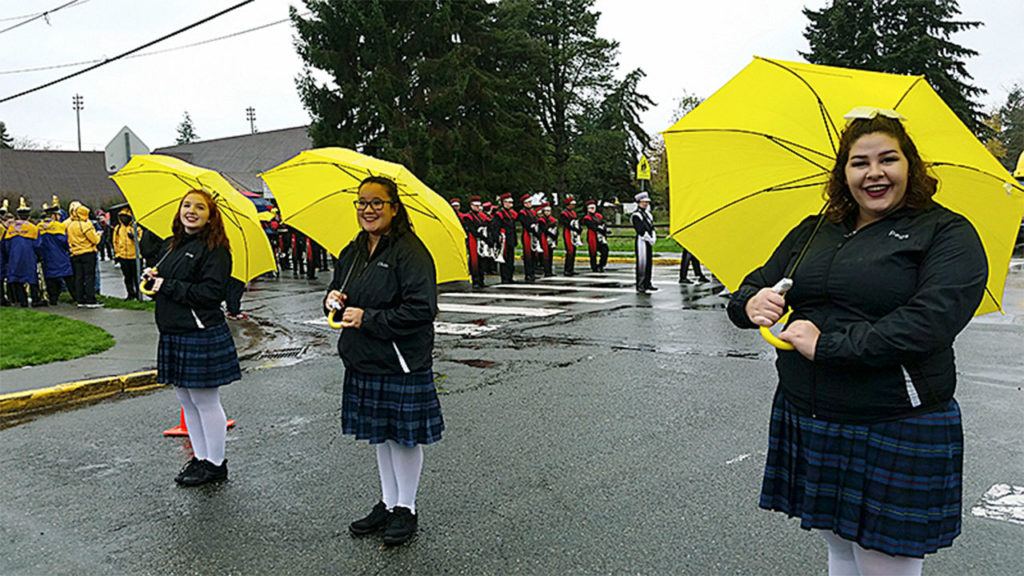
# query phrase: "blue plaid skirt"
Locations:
[[201, 359], [400, 407], [889, 486]]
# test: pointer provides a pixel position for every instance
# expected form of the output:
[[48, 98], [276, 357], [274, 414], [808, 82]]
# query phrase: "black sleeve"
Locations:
[[767, 275], [206, 289], [417, 287], [951, 283], [638, 223]]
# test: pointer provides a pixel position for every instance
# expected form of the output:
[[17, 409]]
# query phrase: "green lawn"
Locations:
[[119, 303], [29, 338]]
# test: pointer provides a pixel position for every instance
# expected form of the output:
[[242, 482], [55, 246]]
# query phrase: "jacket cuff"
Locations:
[[828, 346]]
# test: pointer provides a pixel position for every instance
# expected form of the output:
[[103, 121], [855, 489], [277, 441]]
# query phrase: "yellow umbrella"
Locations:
[[154, 185], [315, 191], [752, 161]]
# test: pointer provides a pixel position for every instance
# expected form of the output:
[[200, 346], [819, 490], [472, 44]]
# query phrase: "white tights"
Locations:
[[399, 468], [206, 422], [846, 558]]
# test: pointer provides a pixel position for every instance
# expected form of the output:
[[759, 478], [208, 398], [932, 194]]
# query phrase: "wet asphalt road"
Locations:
[[624, 437]]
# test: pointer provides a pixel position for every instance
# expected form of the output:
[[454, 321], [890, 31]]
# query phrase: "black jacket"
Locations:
[[397, 290], [193, 287], [889, 300]]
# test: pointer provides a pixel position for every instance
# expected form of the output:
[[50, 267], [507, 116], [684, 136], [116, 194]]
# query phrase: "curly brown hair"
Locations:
[[921, 186], [213, 234]]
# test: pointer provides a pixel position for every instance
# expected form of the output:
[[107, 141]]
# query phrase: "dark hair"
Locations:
[[400, 223], [921, 186], [212, 234]]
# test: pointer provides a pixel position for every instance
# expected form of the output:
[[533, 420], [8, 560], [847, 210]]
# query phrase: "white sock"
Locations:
[[874, 563], [388, 484], [841, 561], [193, 423], [408, 463], [215, 423]]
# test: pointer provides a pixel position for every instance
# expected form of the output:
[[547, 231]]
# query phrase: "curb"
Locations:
[[18, 404]]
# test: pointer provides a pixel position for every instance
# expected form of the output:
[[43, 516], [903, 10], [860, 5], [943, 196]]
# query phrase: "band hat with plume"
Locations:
[[23, 206], [642, 196]]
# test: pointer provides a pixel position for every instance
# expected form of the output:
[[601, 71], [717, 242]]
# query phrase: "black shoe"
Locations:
[[205, 472], [188, 469], [704, 280], [641, 291], [376, 520], [651, 289], [401, 527]]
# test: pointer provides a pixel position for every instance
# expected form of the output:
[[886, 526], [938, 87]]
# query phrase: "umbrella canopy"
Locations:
[[753, 160], [315, 191], [154, 185]]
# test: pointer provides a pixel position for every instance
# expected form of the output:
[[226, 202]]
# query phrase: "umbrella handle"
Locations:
[[143, 286], [781, 287], [330, 319]]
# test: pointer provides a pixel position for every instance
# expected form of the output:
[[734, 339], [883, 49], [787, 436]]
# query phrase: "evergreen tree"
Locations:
[[1011, 134], [187, 131], [6, 140], [900, 37]]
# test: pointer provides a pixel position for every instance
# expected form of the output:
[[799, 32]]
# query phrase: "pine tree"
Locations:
[[1011, 135], [186, 130], [900, 37]]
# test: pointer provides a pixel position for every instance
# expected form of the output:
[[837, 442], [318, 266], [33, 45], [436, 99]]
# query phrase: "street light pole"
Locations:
[[250, 115], [79, 105]]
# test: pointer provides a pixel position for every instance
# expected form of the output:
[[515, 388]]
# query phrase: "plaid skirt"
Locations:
[[201, 359], [400, 407], [891, 486]]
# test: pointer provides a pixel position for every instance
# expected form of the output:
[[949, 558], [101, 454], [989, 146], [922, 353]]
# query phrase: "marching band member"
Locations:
[[477, 235], [570, 235], [5, 222], [21, 241], [506, 224], [124, 252], [82, 241], [643, 225], [548, 228], [528, 220], [55, 254], [597, 237]]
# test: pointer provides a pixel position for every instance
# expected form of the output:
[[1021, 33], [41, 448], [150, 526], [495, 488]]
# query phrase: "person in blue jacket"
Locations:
[[5, 221], [54, 253], [21, 241]]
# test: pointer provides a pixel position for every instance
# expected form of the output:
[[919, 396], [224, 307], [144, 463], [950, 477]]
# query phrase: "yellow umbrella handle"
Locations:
[[143, 286], [781, 287], [330, 319]]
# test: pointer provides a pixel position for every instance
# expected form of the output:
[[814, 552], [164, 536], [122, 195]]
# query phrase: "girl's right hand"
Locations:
[[766, 307]]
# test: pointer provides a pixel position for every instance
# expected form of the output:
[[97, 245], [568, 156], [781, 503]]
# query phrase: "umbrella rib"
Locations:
[[786, 186], [315, 202], [830, 128], [907, 93], [781, 142], [978, 170]]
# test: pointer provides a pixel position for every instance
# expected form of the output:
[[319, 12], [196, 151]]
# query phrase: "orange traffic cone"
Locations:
[[182, 430]]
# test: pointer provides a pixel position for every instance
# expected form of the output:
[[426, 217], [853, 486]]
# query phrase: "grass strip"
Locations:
[[30, 338]]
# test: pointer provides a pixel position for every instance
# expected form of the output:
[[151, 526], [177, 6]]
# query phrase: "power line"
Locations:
[[44, 14], [132, 51], [153, 53]]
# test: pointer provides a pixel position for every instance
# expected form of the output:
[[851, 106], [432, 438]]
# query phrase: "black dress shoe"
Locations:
[[376, 520], [651, 289], [205, 472], [188, 469], [401, 527]]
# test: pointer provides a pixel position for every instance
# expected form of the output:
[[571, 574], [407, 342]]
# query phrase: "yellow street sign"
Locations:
[[643, 169]]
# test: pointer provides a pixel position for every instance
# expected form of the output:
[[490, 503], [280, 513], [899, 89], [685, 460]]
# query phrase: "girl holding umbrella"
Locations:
[[865, 440], [385, 291], [196, 353]]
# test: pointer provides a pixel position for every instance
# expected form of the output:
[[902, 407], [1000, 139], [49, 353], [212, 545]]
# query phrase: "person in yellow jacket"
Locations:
[[82, 240], [124, 252]]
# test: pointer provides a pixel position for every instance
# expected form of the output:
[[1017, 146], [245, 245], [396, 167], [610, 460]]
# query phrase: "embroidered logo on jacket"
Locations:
[[383, 264], [897, 235]]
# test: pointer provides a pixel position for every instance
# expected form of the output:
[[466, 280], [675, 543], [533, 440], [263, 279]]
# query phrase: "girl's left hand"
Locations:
[[803, 335], [352, 318]]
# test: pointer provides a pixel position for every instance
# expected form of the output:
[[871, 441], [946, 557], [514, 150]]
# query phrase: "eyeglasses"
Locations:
[[870, 112], [377, 204]]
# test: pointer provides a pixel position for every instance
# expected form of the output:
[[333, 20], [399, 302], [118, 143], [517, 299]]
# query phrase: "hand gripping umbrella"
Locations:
[[752, 161]]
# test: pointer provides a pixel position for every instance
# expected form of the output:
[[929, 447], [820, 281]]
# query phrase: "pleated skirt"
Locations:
[[202, 359], [890, 486], [403, 408]]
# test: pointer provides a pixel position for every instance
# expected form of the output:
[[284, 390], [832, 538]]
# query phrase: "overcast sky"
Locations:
[[682, 45]]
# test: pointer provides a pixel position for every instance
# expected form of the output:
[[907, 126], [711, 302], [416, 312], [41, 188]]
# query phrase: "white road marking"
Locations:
[[1002, 502], [739, 458], [566, 288], [601, 280], [455, 328], [531, 297], [498, 310]]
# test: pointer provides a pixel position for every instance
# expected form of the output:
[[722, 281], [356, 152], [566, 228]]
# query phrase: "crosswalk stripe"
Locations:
[[454, 328], [530, 297], [607, 279], [492, 310], [566, 288]]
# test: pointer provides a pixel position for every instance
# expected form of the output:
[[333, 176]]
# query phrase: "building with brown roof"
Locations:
[[39, 174]]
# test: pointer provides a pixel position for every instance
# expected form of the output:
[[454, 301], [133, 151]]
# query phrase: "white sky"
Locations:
[[682, 45]]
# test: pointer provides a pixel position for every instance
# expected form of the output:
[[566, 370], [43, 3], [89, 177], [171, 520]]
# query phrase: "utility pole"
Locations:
[[250, 115], [79, 103]]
